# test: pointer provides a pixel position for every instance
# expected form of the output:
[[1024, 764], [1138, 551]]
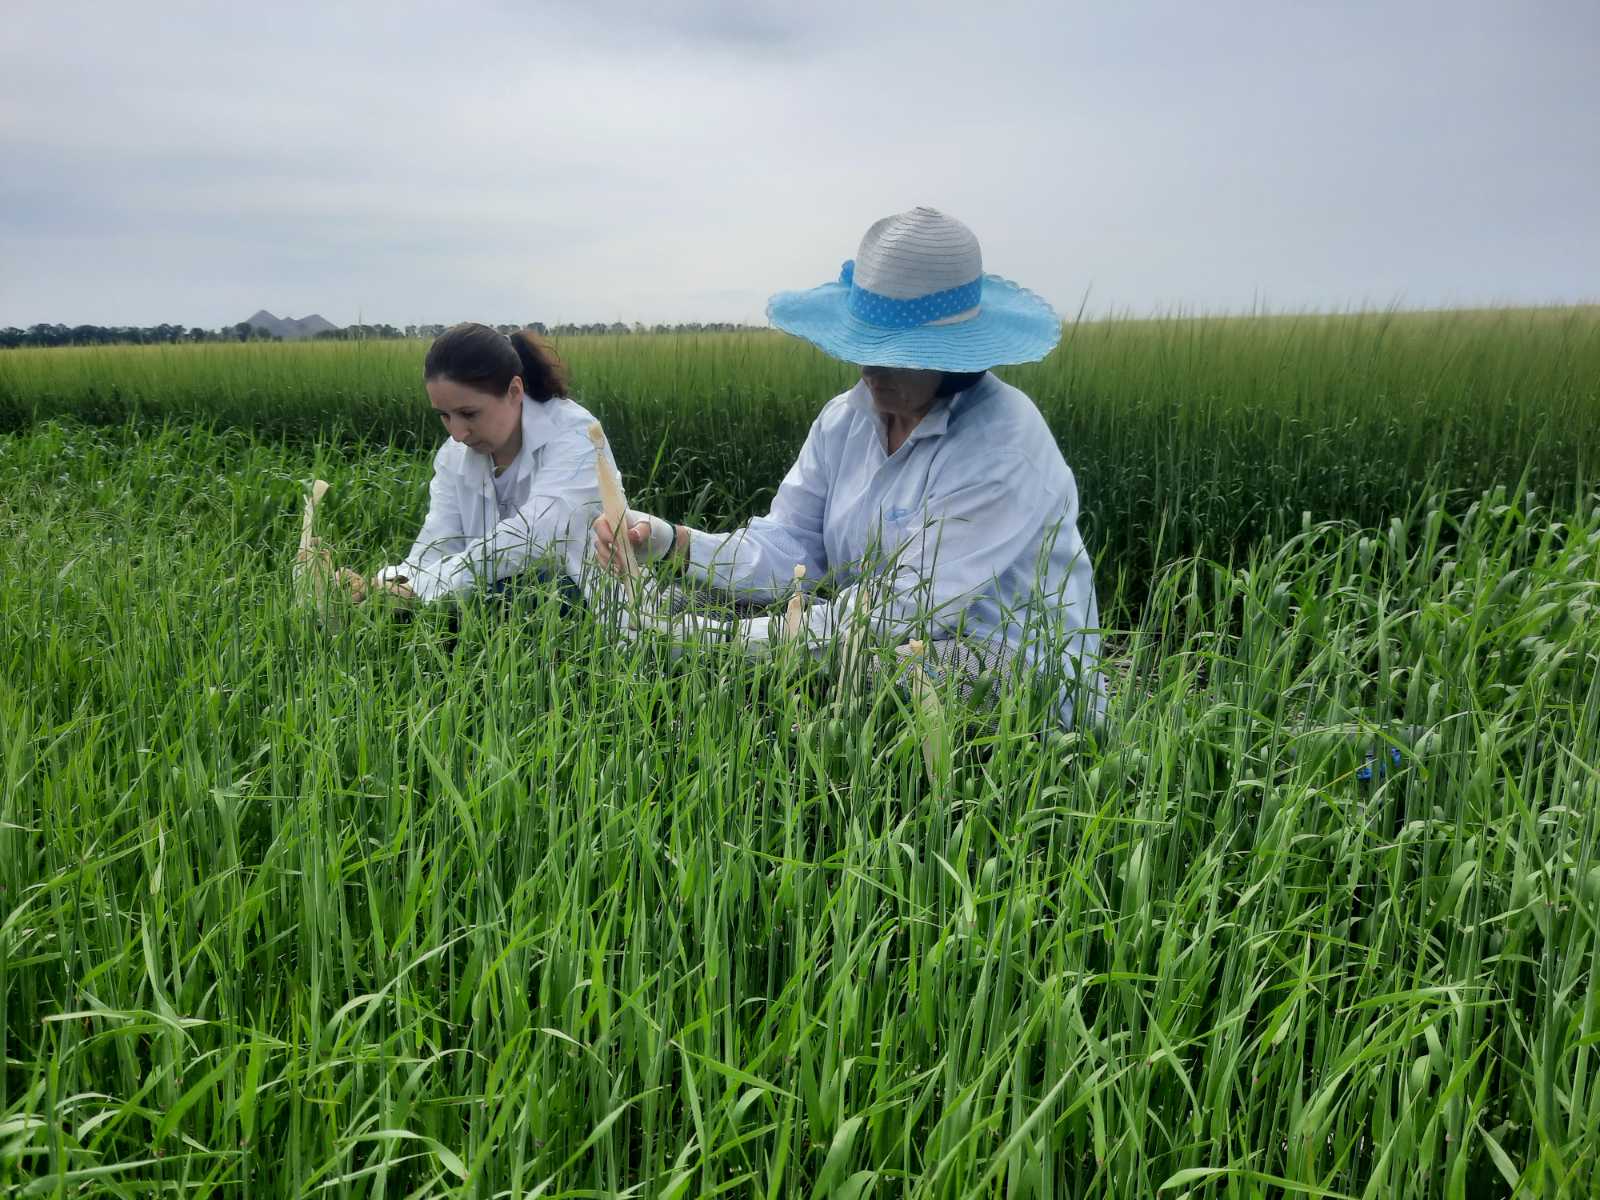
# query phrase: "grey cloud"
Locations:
[[660, 162], [738, 26]]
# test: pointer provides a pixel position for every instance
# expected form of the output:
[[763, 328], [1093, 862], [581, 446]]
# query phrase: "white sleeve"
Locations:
[[441, 534], [553, 522], [759, 559]]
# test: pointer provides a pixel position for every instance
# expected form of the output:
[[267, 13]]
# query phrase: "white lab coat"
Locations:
[[470, 538], [970, 527]]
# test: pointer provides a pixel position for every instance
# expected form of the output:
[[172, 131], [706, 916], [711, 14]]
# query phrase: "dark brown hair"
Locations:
[[957, 381], [486, 360]]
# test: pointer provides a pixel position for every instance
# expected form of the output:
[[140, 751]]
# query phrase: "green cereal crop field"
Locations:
[[488, 904]]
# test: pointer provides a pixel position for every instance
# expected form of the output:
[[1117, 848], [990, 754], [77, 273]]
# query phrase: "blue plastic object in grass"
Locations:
[[1376, 765]]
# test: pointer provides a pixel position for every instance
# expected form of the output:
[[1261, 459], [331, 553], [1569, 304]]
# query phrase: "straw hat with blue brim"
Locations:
[[916, 296]]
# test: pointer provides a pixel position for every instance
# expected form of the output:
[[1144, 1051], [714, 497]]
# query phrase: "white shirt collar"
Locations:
[[538, 427], [937, 419]]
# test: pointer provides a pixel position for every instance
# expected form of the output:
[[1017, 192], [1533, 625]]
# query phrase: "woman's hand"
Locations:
[[353, 582], [651, 537], [398, 587]]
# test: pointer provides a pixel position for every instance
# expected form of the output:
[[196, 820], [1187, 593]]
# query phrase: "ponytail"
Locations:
[[544, 376]]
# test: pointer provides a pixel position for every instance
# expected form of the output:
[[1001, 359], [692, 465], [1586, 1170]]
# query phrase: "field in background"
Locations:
[[480, 904], [1187, 436]]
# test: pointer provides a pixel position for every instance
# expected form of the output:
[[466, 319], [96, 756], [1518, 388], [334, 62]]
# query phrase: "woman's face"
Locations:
[[481, 421], [901, 391]]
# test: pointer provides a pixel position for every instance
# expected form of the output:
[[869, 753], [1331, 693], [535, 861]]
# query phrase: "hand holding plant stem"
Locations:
[[353, 582], [650, 539], [618, 556], [399, 587]]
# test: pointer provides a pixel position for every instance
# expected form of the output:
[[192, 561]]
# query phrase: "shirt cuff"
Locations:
[[425, 582], [708, 551]]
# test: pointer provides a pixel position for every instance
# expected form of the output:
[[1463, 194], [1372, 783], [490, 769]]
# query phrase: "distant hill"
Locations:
[[289, 329]]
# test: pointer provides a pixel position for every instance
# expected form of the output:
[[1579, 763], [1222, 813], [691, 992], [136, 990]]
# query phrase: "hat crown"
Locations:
[[917, 253]]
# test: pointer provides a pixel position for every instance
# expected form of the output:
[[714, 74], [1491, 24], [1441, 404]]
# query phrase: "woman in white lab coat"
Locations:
[[514, 487]]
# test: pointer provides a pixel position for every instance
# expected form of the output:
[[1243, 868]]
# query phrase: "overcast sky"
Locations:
[[411, 162]]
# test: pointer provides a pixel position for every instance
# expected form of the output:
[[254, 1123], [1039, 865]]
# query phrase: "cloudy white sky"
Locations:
[[543, 160]]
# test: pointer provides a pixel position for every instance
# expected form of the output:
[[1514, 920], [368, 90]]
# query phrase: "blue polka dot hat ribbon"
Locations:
[[891, 313]]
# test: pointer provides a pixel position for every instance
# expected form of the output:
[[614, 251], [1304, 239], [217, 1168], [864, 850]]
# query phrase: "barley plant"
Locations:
[[483, 901]]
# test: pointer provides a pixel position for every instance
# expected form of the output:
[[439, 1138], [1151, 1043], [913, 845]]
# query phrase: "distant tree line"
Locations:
[[45, 335], [636, 327], [125, 335], [357, 332]]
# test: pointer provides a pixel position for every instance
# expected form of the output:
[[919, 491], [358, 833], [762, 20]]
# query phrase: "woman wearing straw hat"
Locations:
[[932, 491]]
